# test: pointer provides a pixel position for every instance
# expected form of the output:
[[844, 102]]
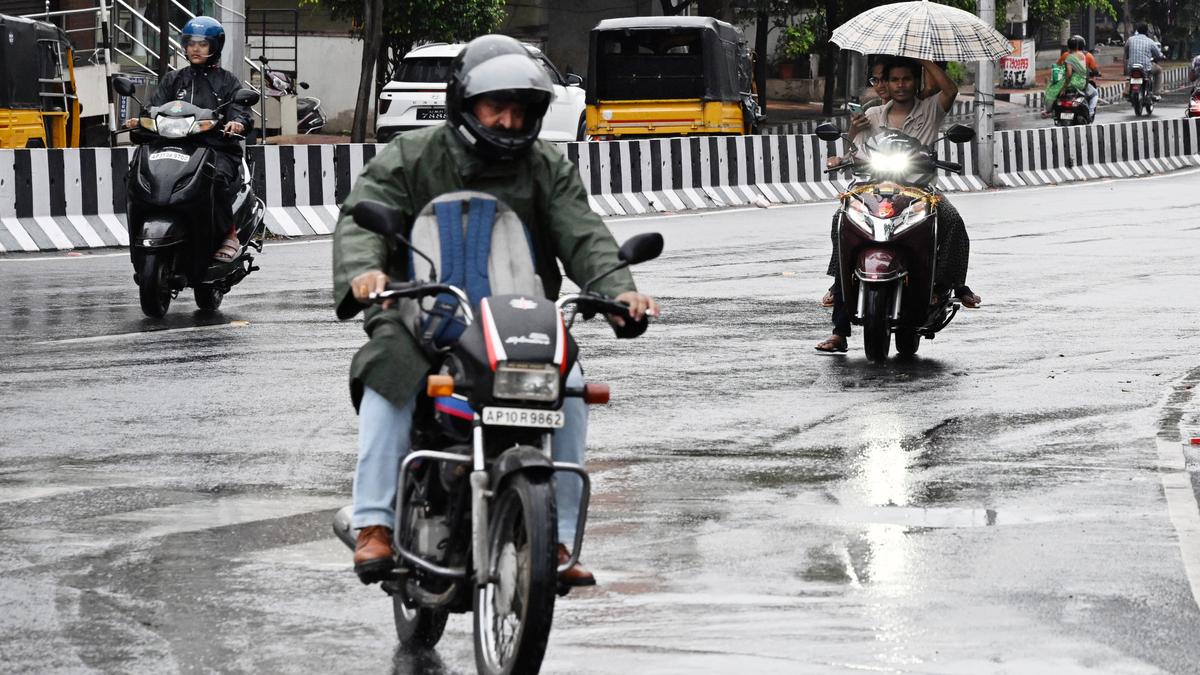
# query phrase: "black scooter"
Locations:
[[172, 228], [475, 514]]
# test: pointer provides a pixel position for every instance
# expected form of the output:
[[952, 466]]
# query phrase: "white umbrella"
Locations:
[[922, 30]]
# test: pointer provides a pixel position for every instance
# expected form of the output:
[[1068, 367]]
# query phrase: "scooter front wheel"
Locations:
[[154, 289], [877, 335], [514, 609]]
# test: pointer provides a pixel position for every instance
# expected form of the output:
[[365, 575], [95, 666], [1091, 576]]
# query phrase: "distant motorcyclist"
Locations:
[[205, 84], [495, 100], [1141, 48]]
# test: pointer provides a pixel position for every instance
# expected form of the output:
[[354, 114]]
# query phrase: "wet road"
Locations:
[[1173, 105], [1013, 500]]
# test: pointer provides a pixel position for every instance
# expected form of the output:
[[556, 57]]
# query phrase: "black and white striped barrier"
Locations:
[[1064, 154]]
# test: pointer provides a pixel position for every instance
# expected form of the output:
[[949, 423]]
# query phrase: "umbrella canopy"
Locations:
[[922, 30]]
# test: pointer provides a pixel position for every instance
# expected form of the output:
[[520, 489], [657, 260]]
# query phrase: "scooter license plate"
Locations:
[[1135, 80], [1066, 116], [431, 113], [523, 417]]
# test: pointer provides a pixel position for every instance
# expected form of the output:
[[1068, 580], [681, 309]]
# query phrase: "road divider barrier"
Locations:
[[64, 199]]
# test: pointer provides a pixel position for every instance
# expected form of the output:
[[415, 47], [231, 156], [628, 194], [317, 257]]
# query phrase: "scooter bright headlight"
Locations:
[[174, 127], [890, 164], [526, 381]]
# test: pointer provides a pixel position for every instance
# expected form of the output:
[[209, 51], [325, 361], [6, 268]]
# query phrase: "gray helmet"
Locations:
[[499, 67], [1077, 42]]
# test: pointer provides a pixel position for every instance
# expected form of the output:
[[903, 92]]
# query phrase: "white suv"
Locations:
[[416, 97]]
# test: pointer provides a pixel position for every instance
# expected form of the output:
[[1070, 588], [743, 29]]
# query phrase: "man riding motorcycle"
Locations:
[[495, 100], [1140, 48], [205, 84], [922, 119]]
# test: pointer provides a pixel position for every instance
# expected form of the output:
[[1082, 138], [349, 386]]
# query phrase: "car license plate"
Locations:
[[523, 417], [431, 113], [1135, 80]]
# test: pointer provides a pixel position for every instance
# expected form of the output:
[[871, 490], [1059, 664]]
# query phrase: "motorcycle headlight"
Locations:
[[890, 164], [526, 381], [915, 213], [174, 127]]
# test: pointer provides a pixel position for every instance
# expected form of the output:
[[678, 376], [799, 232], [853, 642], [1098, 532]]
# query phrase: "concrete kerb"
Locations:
[[63, 199]]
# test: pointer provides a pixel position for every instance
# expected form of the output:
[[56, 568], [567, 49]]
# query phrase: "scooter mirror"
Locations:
[[303, 85], [376, 217], [960, 133], [245, 97], [828, 132], [641, 247], [123, 86]]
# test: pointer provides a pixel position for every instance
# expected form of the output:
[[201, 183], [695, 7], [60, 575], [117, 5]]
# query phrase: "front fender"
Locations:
[[160, 232], [522, 458], [879, 264]]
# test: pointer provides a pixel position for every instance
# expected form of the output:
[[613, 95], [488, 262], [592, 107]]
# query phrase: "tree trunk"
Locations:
[[762, 25], [372, 34], [831, 57]]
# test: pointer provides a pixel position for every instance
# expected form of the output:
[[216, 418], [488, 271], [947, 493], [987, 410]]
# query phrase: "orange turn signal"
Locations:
[[595, 393], [439, 385]]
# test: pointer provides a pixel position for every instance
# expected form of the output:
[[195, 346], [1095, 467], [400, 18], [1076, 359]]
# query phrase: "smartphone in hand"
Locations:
[[854, 107]]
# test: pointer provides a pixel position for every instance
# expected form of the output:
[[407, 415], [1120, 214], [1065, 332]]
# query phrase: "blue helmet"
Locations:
[[207, 28]]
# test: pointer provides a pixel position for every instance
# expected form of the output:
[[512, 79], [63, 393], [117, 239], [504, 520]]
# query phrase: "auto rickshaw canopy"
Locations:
[[30, 51], [664, 58]]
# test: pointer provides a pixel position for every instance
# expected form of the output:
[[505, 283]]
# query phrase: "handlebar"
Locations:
[[589, 305], [415, 289]]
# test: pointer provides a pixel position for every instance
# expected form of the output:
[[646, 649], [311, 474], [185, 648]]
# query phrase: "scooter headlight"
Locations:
[[916, 212], [890, 164], [174, 127], [526, 381], [856, 212]]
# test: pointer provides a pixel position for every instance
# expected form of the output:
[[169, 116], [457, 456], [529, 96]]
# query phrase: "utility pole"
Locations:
[[164, 38], [985, 103]]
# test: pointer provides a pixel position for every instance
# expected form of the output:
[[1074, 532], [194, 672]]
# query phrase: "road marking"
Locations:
[[160, 331], [1177, 485]]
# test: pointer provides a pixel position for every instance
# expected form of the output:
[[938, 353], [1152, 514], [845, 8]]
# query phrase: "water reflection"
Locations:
[[419, 662], [882, 475]]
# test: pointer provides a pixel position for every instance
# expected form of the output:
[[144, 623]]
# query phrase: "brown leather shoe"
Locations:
[[576, 575], [373, 557]]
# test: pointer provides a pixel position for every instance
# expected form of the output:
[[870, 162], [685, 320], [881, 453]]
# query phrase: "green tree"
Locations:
[[407, 23]]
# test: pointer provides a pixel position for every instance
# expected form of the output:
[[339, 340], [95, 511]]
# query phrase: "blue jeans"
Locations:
[[383, 441]]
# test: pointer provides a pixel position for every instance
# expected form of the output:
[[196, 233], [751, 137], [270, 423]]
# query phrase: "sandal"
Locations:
[[228, 251], [967, 298], [827, 299], [832, 344]]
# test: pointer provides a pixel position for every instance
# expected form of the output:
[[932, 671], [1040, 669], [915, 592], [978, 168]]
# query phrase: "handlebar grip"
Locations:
[[953, 167]]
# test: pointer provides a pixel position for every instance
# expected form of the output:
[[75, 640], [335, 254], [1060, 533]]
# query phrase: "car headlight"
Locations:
[[174, 127], [527, 381], [891, 164]]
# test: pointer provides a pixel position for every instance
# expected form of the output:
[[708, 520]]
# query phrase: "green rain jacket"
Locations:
[[542, 187]]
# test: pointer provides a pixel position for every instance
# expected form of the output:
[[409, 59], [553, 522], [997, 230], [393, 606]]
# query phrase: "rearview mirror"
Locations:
[[960, 133], [641, 247], [245, 97], [376, 218], [827, 132], [574, 80], [123, 86]]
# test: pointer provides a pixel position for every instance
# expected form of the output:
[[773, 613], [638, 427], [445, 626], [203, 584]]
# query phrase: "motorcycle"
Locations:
[[172, 233], [310, 118], [887, 239], [476, 526], [1139, 90], [1193, 109], [1070, 109]]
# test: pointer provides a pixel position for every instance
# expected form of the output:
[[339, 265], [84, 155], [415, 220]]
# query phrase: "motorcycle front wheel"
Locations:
[[154, 288], [877, 337], [515, 608]]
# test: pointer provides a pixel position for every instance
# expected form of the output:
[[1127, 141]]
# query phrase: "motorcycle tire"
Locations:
[[418, 627], [877, 337], [208, 297], [154, 289], [514, 610], [907, 341], [1136, 100]]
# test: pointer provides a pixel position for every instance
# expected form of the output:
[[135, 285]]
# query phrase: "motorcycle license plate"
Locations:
[[431, 113], [1135, 80], [1066, 116], [523, 417]]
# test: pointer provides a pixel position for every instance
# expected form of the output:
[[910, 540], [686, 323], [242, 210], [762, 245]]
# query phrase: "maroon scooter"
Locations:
[[887, 239]]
